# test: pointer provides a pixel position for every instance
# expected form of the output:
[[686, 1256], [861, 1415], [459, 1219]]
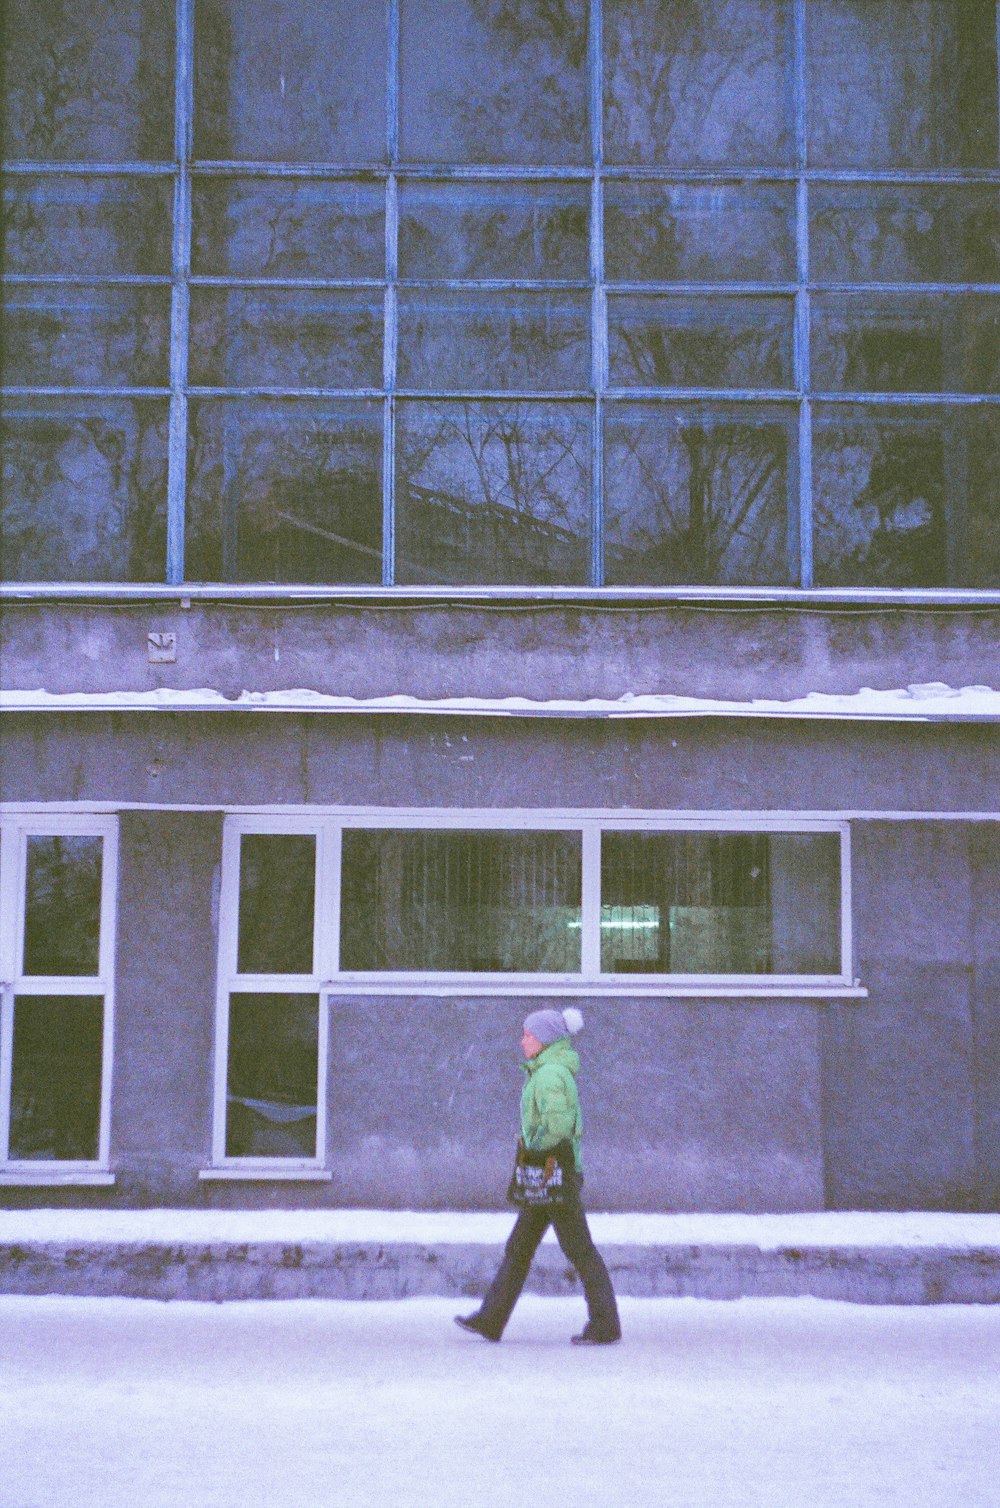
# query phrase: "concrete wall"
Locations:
[[545, 650], [687, 1104], [233, 758], [899, 1071], [892, 1102]]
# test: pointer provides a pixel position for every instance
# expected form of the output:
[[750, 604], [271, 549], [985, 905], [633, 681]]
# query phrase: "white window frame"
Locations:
[[230, 981], [327, 981], [15, 831]]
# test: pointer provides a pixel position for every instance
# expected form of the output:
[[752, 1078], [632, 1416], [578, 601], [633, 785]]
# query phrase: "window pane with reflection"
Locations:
[[62, 908], [904, 232], [487, 81], [84, 223], [290, 80], [720, 903], [88, 79], [493, 492], [906, 497], [287, 228], [277, 895], [272, 1076], [671, 232], [902, 83], [491, 340], [286, 337], [494, 230], [672, 341], [83, 488], [906, 343], [284, 490], [699, 495], [59, 336], [55, 1095], [696, 83], [493, 902]]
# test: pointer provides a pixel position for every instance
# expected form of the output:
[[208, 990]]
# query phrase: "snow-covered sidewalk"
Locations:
[[110, 1403], [814, 1228]]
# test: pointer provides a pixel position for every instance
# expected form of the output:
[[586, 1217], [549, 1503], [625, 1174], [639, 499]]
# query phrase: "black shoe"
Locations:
[[474, 1325], [590, 1337]]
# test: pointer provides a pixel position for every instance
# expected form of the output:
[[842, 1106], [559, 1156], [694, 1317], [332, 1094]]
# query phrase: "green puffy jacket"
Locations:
[[550, 1105]]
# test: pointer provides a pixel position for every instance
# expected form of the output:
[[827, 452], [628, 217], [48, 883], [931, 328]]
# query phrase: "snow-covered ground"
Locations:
[[108, 1402], [908, 1229]]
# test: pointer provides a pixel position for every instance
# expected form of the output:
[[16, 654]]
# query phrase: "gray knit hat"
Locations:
[[548, 1026]]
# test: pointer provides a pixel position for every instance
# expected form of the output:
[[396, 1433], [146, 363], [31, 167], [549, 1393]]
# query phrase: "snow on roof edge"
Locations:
[[922, 701]]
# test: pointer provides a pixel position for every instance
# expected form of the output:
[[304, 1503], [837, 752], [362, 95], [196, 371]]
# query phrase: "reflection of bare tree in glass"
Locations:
[[87, 78], [277, 497], [734, 343], [880, 506], [84, 494], [512, 82], [492, 492], [903, 83], [703, 500], [87, 225], [696, 82]]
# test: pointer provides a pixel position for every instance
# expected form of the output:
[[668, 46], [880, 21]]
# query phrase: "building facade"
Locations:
[[500, 505]]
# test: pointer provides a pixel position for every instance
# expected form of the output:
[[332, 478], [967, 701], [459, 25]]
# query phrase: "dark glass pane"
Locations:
[[692, 83], [286, 337], [494, 81], [671, 341], [670, 232], [906, 497], [287, 228], [54, 335], [62, 907], [284, 491], [494, 230], [720, 903], [493, 340], [88, 79], [290, 80], [698, 495], [83, 484], [277, 892], [272, 1076], [493, 492], [904, 232], [55, 1097], [976, 526], [898, 343], [494, 902], [84, 224], [902, 83]]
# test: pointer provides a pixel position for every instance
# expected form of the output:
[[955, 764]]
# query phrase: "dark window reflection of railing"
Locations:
[[423, 317]]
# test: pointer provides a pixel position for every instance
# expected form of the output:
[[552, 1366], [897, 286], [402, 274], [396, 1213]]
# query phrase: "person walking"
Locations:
[[551, 1120]]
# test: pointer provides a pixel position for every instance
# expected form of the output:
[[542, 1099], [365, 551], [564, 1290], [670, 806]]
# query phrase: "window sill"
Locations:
[[621, 985], [259, 1175], [52, 1178]]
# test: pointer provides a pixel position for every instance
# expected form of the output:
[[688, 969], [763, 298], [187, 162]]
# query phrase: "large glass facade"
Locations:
[[430, 292]]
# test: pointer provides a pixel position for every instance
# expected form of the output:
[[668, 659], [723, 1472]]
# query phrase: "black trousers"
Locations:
[[573, 1235]]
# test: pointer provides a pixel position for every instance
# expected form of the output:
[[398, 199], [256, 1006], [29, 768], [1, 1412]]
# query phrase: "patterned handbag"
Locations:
[[540, 1178]]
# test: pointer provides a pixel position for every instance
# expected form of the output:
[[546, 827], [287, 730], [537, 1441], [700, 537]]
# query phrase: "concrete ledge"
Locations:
[[226, 1270]]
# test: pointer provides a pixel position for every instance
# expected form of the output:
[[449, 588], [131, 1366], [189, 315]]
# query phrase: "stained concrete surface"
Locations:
[[538, 650]]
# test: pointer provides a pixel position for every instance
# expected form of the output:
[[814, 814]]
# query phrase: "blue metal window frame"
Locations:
[[183, 170]]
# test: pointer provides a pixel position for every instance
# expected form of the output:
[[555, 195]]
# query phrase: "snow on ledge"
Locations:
[[765, 1232], [923, 702]]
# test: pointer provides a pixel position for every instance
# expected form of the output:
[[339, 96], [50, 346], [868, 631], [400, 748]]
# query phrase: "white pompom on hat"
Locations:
[[548, 1026]]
